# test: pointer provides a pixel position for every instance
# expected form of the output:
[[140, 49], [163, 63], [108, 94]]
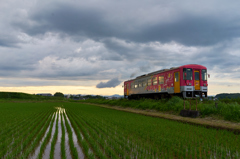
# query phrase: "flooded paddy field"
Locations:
[[72, 130]]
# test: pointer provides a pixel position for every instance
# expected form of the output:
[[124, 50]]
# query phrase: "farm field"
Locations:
[[73, 130]]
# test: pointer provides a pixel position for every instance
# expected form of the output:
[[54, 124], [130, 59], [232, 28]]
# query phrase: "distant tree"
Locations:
[[59, 94]]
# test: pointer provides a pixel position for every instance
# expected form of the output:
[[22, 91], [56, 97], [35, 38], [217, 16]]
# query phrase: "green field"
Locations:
[[73, 130], [227, 109]]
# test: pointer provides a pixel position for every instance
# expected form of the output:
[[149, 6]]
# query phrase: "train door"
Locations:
[[176, 82], [197, 80]]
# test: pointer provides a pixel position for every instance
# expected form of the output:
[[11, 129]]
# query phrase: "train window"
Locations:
[[196, 75], [161, 79], [136, 85], [125, 86], [128, 85], [149, 82], [204, 75], [187, 74], [154, 80], [144, 83], [176, 77], [140, 84], [132, 85]]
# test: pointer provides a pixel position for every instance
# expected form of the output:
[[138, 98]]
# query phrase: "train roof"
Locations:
[[165, 70]]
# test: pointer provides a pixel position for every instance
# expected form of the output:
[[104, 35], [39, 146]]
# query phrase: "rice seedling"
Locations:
[[54, 139], [44, 144], [105, 133], [143, 135], [63, 153], [70, 136]]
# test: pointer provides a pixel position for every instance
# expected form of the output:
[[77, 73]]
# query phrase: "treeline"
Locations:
[[25, 96], [228, 95], [57, 95]]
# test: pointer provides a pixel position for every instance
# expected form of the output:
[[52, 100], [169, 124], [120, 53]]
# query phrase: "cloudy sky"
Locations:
[[91, 47]]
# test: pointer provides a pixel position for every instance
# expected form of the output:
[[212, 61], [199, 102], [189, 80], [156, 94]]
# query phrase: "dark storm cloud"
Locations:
[[111, 83], [191, 30], [97, 40], [69, 20], [8, 41]]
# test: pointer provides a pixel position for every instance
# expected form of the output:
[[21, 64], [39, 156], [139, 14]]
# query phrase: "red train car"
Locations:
[[187, 81]]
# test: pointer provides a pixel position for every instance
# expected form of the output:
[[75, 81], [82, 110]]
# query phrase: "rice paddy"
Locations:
[[72, 130]]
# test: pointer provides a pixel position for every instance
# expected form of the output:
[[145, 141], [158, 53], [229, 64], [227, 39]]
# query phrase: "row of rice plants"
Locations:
[[47, 138], [83, 135], [28, 137], [13, 114], [7, 136], [114, 138], [13, 128], [15, 118], [53, 143], [127, 143], [114, 145], [63, 153], [20, 136], [123, 143], [106, 133], [10, 115], [82, 141], [155, 136], [38, 138], [70, 136]]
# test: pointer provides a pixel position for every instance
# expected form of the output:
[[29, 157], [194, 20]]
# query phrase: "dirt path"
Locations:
[[207, 122]]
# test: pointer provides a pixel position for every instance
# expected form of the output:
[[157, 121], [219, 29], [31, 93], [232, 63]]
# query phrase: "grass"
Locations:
[[228, 109]]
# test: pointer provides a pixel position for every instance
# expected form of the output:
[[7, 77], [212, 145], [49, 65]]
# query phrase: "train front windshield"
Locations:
[[187, 74]]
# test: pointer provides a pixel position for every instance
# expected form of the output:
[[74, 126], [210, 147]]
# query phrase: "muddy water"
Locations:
[[57, 151], [75, 140], [37, 150], [67, 147], [47, 150]]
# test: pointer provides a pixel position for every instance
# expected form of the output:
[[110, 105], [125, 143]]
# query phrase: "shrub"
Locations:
[[229, 109]]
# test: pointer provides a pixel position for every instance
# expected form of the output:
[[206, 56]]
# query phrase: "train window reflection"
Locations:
[[140, 84], [187, 74], [204, 75], [136, 85], [196, 74], [161, 79], [132, 85], [176, 77], [155, 81], [149, 83], [144, 83]]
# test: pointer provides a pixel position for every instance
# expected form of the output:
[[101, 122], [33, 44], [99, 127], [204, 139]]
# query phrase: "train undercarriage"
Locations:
[[187, 94]]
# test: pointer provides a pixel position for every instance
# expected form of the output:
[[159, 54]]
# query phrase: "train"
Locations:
[[187, 81]]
